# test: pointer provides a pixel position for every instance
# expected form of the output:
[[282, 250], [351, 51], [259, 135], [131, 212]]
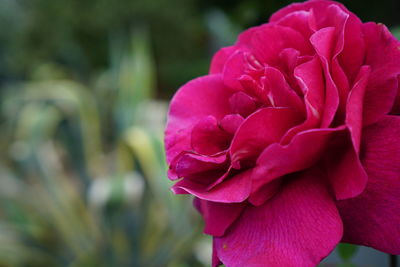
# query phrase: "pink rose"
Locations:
[[292, 143]]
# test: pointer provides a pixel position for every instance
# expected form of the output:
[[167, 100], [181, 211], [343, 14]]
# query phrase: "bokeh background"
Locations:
[[84, 90]]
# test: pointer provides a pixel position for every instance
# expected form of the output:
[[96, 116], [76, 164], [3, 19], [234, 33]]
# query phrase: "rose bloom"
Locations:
[[291, 144]]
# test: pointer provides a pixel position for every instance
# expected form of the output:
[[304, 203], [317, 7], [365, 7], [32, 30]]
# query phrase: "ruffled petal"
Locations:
[[301, 153], [298, 227], [233, 190], [383, 56], [324, 43], [195, 100], [280, 93], [208, 138], [218, 216], [219, 59], [373, 218], [345, 171], [269, 40], [354, 107], [260, 129], [309, 76]]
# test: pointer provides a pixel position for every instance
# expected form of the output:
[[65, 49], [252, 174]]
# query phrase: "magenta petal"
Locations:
[[323, 42], [190, 163], [396, 107], [215, 261], [354, 106], [298, 20], [195, 100], [269, 40], [310, 79], [261, 194], [220, 58], [218, 216], [234, 68], [373, 218], [352, 56], [208, 138], [301, 153], [346, 173], [233, 190], [383, 56], [230, 123], [298, 227], [260, 129], [319, 7], [242, 104], [281, 95]]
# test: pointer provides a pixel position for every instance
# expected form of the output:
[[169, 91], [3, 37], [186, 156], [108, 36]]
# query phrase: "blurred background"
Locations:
[[84, 90]]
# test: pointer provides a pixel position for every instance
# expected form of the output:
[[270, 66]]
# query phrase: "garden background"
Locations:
[[84, 89]]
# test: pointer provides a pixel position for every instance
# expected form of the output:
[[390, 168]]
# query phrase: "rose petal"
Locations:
[[230, 123], [323, 42], [242, 104], [190, 163], [281, 95], [301, 153], [233, 190], [345, 171], [298, 20], [372, 218], [215, 262], [260, 195], [352, 56], [298, 227], [319, 7], [234, 68], [310, 79], [208, 138], [260, 129], [383, 55], [269, 40], [218, 216], [355, 106], [195, 100], [219, 59], [396, 107]]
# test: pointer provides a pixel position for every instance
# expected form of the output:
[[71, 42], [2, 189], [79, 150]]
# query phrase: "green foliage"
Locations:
[[347, 251], [83, 173], [396, 32]]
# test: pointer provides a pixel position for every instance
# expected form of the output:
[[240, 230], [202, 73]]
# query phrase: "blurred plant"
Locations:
[[346, 253], [82, 175]]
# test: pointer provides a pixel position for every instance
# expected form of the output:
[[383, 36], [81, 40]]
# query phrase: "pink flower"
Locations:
[[292, 143]]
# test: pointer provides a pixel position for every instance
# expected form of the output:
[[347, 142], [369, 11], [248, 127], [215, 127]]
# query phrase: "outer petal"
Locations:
[[195, 100], [345, 171], [220, 58], [383, 55], [373, 218], [319, 7], [218, 216], [354, 107], [298, 227], [233, 190]]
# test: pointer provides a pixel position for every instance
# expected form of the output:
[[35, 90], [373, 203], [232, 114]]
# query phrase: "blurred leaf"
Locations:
[[346, 265], [347, 251], [396, 32], [136, 79]]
